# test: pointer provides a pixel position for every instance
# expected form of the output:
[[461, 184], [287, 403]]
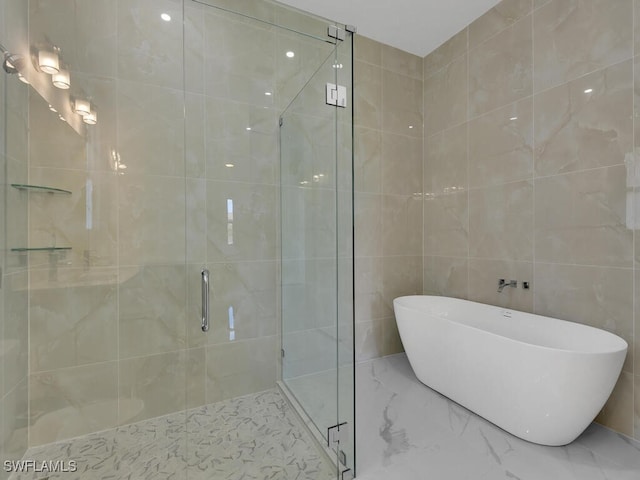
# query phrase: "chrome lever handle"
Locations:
[[205, 300]]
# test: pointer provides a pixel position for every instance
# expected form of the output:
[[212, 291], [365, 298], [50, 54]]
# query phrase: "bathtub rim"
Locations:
[[624, 346]]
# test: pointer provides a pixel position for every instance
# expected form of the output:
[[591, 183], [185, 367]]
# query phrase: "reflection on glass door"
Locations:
[[316, 232]]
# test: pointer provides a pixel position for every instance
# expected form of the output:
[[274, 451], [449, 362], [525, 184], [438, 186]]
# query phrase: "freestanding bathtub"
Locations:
[[539, 378]]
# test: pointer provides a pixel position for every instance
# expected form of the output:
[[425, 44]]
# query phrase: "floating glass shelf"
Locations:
[[38, 188], [40, 249]]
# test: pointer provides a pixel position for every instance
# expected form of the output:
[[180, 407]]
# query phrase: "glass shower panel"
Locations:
[[159, 161], [316, 229]]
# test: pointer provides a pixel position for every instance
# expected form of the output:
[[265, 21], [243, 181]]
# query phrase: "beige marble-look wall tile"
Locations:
[[368, 95], [500, 69], [636, 339], [446, 276], [581, 218], [497, 19], [446, 220], [636, 94], [501, 145], [401, 164], [483, 283], [597, 296], [71, 402], [617, 413], [91, 45], [370, 341], [243, 301], [586, 123], [576, 37], [17, 124], [636, 26], [242, 141], [308, 149], [368, 225], [150, 50], [501, 221], [58, 144], [446, 53], [84, 220], [17, 216], [399, 61], [151, 129], [154, 384], [196, 220], [72, 324], [196, 377], [15, 334], [195, 137], [239, 368], [401, 104], [239, 59], [445, 161], [152, 310], [401, 225], [151, 219], [367, 160], [194, 35], [369, 302], [15, 413], [309, 226], [445, 97], [400, 276], [636, 408], [367, 50]]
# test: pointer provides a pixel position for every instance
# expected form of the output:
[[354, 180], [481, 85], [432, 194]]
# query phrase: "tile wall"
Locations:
[[531, 170], [388, 190], [115, 322], [13, 233]]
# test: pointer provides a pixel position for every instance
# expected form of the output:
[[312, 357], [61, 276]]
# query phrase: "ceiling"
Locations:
[[416, 26]]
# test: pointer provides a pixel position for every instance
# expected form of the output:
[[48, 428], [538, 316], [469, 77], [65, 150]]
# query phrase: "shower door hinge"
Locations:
[[281, 121], [282, 352], [338, 434], [336, 32], [347, 474], [336, 95]]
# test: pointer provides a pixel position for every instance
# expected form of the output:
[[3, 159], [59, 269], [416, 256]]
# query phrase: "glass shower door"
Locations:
[[316, 232]]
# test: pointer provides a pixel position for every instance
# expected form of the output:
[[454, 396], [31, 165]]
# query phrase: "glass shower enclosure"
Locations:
[[143, 143]]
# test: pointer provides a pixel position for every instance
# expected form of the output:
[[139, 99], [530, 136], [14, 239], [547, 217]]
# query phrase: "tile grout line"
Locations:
[[533, 164]]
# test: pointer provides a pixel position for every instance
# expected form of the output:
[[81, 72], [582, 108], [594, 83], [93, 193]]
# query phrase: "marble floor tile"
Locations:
[[407, 431]]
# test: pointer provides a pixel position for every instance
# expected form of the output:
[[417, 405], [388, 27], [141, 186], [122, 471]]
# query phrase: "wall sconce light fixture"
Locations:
[[49, 61], [62, 79]]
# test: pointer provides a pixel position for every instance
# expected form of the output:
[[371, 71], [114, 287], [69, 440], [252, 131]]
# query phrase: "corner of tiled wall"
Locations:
[[529, 158], [388, 190]]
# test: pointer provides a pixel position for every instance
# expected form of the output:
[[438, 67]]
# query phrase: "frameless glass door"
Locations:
[[316, 232]]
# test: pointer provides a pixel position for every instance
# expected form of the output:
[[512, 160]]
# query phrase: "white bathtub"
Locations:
[[539, 378]]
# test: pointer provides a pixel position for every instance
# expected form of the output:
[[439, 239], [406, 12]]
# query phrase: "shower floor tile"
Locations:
[[251, 437], [407, 431]]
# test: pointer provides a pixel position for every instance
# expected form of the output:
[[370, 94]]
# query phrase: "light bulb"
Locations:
[[81, 107], [91, 118], [62, 79], [48, 61], [290, 54]]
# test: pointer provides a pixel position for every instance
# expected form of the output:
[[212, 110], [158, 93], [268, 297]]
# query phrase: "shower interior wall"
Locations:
[[13, 230], [183, 128]]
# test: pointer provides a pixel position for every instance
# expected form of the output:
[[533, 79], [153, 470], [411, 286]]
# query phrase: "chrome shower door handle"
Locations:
[[205, 300]]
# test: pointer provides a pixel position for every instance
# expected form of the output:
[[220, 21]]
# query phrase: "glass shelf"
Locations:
[[38, 188], [40, 249]]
